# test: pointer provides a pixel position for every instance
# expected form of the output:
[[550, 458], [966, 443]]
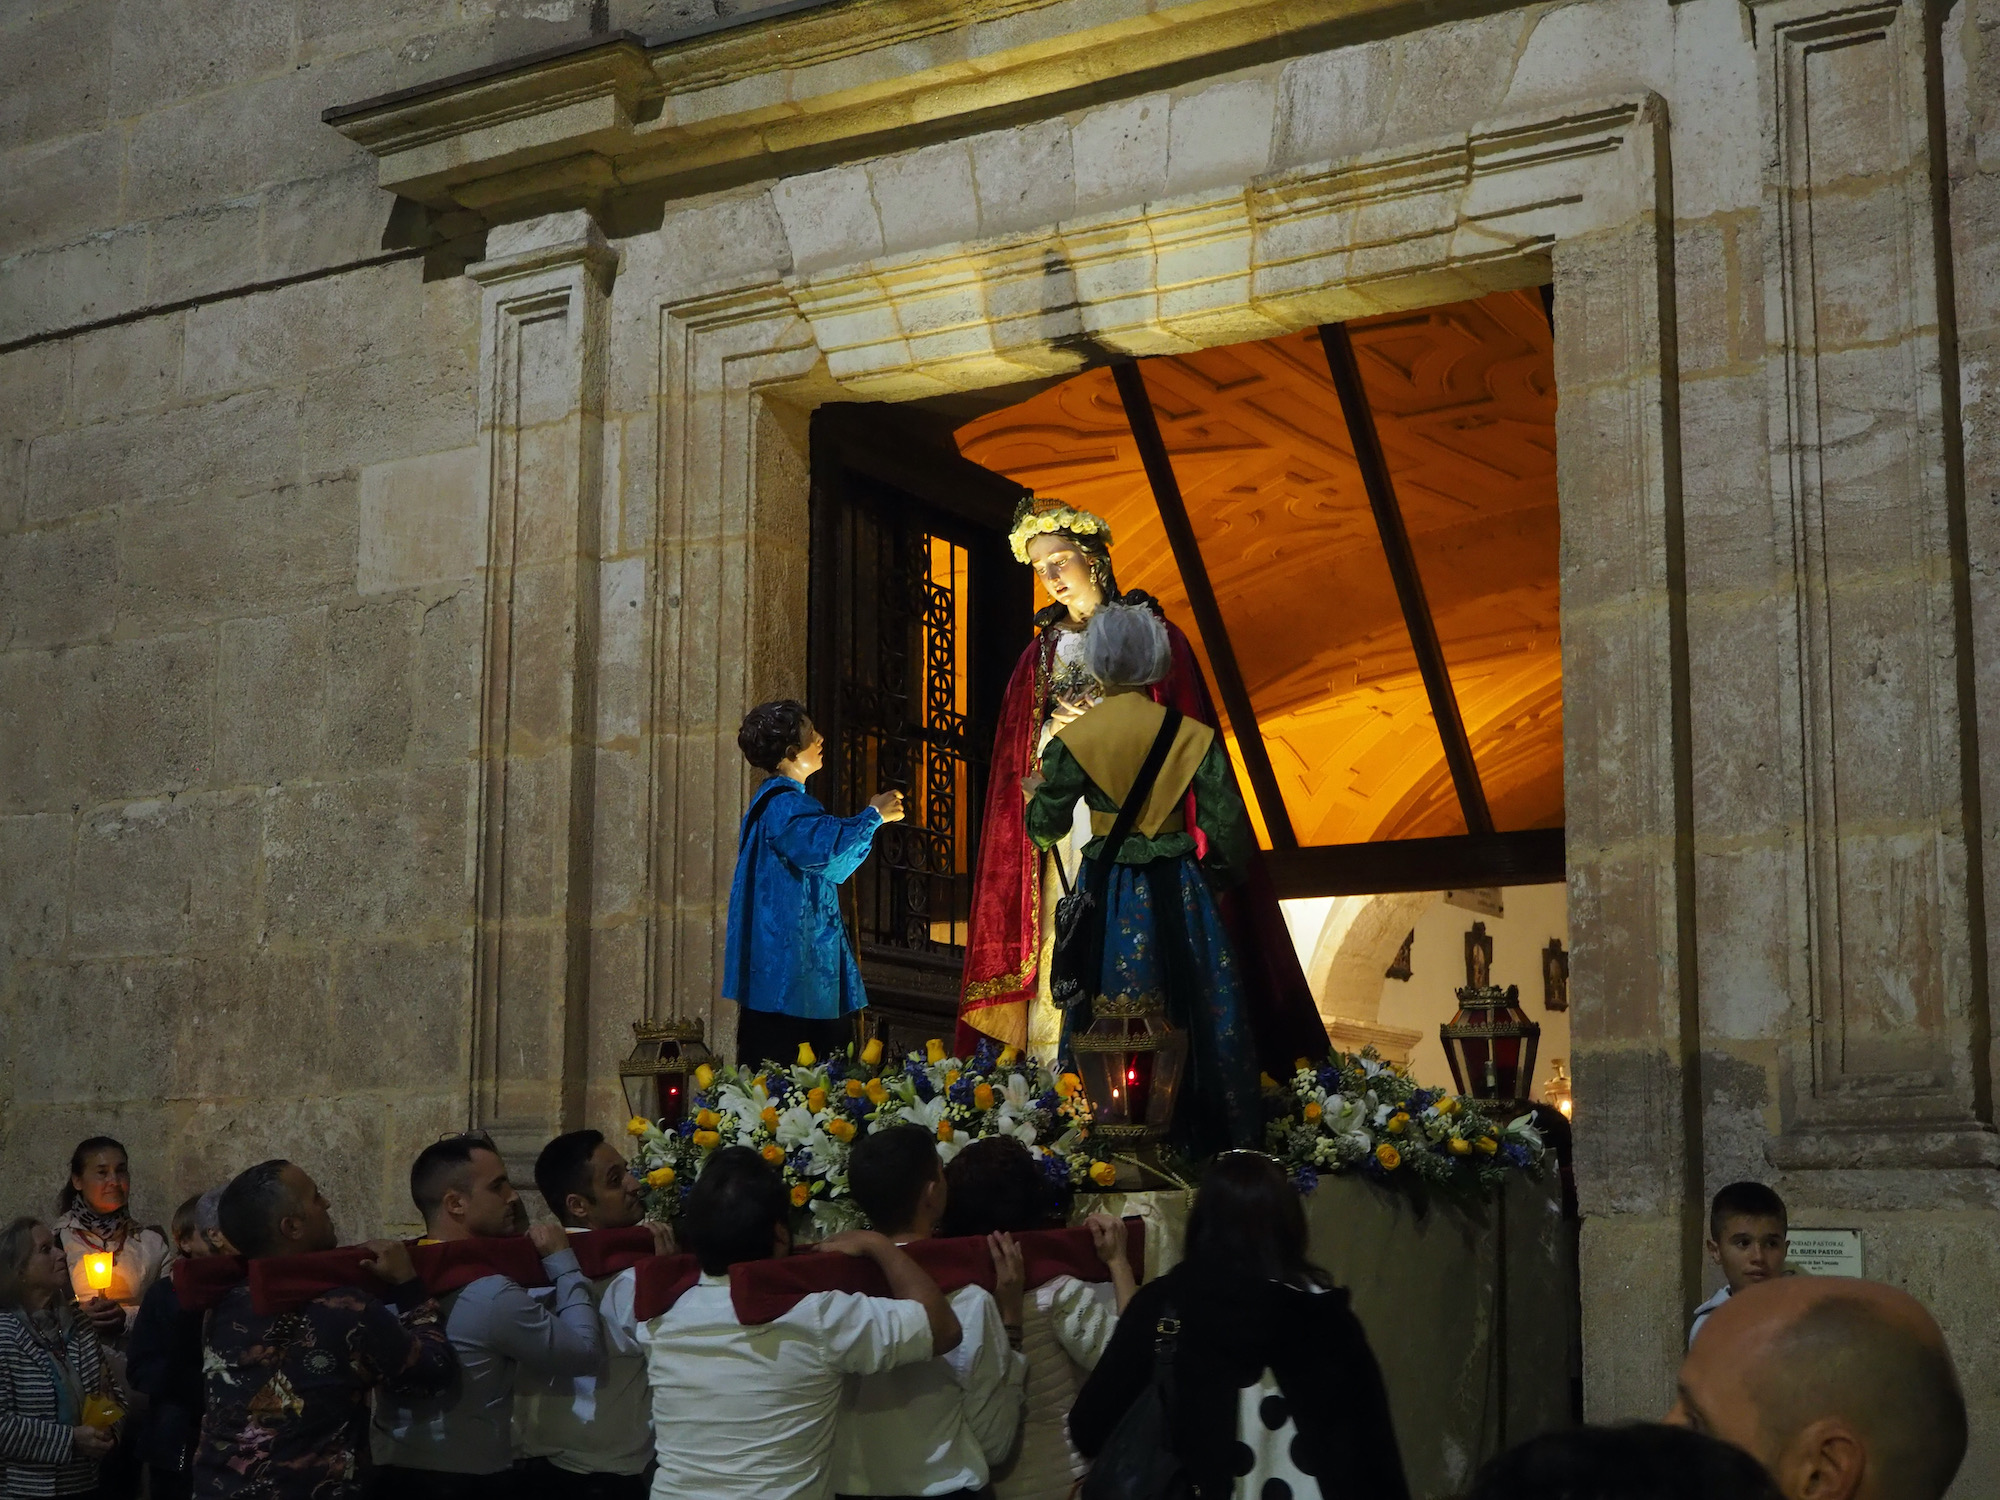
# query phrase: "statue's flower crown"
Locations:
[[1035, 517]]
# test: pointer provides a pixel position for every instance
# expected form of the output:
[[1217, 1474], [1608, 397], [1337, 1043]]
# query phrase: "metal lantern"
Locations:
[[1131, 1060], [659, 1075], [1491, 1044], [1557, 1091]]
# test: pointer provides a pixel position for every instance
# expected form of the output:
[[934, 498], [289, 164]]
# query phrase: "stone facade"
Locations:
[[398, 511]]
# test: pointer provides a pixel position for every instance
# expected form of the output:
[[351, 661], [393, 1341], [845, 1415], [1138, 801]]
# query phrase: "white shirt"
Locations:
[[748, 1410], [600, 1423], [1701, 1313], [938, 1427]]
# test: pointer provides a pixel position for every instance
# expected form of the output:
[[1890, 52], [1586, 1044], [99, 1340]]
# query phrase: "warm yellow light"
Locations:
[[97, 1272], [1566, 1106]]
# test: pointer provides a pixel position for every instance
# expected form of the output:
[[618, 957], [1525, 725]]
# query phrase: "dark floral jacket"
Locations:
[[287, 1396]]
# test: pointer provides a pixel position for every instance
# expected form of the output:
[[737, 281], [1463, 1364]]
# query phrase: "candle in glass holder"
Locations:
[[97, 1273]]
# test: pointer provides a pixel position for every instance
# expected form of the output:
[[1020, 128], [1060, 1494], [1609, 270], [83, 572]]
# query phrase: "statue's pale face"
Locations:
[[1064, 570]]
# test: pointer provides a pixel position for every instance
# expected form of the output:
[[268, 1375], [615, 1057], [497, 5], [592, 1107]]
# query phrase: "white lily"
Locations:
[[746, 1103], [925, 1113], [795, 1127], [823, 1153]]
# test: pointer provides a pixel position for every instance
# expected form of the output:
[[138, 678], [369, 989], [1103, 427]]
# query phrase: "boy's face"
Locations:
[[811, 757], [1750, 1249]]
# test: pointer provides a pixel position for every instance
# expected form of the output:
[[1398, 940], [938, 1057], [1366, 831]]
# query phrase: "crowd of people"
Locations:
[[1241, 1372]]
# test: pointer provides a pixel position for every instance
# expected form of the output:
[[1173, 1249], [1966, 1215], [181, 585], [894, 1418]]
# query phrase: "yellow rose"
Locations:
[[704, 1077], [854, 1088], [806, 1057], [950, 1077], [1460, 1147], [707, 1140], [1487, 1145], [982, 1096], [1069, 1085], [1266, 1081], [1312, 1112], [1447, 1106], [934, 1051], [1103, 1173], [815, 1101], [872, 1053], [944, 1130], [1300, 1064], [800, 1192], [760, 1080], [841, 1130], [706, 1119], [773, 1153], [1388, 1156], [877, 1091], [660, 1177], [1008, 1057], [1397, 1122], [638, 1125], [770, 1117]]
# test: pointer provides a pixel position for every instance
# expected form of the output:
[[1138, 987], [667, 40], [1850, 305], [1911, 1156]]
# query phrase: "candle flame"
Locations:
[[97, 1272]]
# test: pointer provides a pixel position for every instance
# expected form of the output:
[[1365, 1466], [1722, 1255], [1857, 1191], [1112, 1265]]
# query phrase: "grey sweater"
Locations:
[[497, 1328]]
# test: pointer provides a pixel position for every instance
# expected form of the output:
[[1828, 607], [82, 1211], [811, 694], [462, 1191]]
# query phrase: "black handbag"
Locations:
[[1138, 1461], [1076, 968]]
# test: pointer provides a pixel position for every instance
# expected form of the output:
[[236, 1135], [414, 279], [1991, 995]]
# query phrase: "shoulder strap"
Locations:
[[763, 800], [1142, 787]]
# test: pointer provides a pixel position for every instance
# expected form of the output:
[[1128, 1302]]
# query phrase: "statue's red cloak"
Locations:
[[1003, 946]]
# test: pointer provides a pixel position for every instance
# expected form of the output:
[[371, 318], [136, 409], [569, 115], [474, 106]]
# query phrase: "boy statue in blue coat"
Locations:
[[787, 960]]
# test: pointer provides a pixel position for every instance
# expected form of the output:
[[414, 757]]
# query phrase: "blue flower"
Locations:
[[1049, 1101], [961, 1092], [1421, 1100], [921, 1081], [1305, 1180], [1329, 1078], [1515, 1152], [836, 1066], [985, 1055], [686, 1127]]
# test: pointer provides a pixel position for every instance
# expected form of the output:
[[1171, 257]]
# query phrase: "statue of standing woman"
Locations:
[[1005, 992]]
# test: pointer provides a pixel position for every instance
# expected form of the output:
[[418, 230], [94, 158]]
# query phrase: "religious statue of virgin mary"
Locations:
[[1005, 992]]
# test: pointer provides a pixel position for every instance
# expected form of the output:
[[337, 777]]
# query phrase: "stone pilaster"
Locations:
[[541, 354]]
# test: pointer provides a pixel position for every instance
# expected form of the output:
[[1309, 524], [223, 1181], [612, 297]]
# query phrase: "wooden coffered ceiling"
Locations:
[[1464, 397]]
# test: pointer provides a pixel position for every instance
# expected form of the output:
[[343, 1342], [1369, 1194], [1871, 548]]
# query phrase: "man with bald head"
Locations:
[[1843, 1389]]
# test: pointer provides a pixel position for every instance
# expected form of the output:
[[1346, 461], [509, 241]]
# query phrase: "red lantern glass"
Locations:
[[1491, 1045], [659, 1075]]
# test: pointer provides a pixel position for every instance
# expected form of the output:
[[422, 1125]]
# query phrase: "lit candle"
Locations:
[[97, 1273]]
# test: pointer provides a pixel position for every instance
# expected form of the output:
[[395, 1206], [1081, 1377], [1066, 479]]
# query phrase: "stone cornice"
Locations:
[[805, 87]]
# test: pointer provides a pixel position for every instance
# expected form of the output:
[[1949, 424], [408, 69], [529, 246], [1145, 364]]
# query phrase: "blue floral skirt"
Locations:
[[1164, 940]]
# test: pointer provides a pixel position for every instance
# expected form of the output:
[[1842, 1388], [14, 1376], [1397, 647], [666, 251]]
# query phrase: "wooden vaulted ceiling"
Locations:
[[1464, 398]]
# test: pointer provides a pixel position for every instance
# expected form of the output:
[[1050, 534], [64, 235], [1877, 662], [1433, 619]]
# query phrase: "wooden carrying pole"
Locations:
[[1403, 570], [1201, 599]]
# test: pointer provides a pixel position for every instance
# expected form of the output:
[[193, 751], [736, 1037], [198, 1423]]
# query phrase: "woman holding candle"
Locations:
[[56, 1423], [112, 1260]]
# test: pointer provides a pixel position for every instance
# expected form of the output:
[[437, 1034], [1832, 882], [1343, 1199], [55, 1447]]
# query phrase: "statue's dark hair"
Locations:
[[773, 732]]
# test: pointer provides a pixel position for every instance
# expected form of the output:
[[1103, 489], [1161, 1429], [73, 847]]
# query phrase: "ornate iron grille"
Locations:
[[905, 722]]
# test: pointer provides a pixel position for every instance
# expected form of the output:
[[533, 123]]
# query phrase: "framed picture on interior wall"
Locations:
[[1399, 967], [1555, 976], [1478, 957]]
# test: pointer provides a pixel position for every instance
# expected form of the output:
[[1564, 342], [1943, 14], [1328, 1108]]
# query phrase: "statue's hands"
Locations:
[[889, 805], [1031, 784]]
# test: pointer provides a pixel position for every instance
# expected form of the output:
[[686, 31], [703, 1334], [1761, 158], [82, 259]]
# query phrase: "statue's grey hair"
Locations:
[[1125, 645]]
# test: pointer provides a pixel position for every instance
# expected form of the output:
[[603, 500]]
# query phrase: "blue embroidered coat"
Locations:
[[786, 948]]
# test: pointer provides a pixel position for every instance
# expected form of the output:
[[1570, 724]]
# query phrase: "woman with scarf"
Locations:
[[96, 1221], [50, 1369], [1005, 989]]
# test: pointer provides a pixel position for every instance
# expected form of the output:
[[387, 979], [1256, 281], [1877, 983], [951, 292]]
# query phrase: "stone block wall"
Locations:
[[238, 699]]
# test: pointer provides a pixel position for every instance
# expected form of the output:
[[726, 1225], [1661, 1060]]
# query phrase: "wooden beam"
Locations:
[[1201, 599], [1409, 582], [1461, 862]]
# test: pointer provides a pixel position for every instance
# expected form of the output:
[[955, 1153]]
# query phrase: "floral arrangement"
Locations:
[[1033, 518], [1355, 1113], [804, 1118]]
